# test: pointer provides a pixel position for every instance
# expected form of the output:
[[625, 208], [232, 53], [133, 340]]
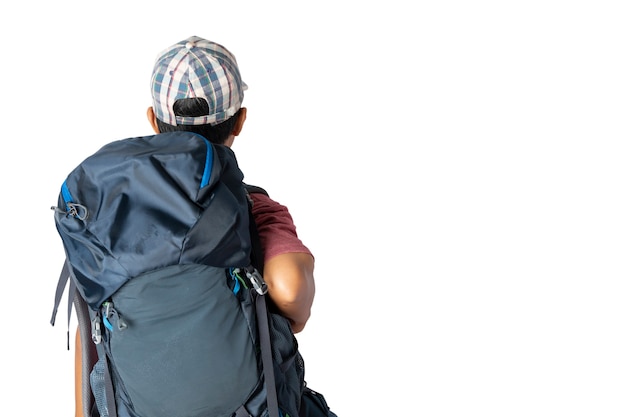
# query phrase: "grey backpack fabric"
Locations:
[[163, 259]]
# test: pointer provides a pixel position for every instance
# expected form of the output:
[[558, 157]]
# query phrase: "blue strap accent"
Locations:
[[208, 164], [65, 192], [237, 285]]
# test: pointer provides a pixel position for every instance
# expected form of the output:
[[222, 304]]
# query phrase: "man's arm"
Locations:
[[290, 283], [289, 264]]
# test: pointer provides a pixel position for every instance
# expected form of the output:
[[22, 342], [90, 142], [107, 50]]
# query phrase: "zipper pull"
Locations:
[[110, 311]]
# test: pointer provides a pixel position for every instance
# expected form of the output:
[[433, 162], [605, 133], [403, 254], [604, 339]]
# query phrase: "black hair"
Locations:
[[194, 107]]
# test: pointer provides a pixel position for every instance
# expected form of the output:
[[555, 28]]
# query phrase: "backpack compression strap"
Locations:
[[61, 284]]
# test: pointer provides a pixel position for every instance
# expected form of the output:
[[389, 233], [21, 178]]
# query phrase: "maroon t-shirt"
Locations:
[[276, 228]]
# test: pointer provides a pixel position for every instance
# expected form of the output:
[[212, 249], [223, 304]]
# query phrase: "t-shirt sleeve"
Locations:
[[277, 231]]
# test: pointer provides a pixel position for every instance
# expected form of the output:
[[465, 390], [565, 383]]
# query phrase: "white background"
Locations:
[[456, 167]]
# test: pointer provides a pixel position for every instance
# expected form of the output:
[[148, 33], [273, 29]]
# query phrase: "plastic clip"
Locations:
[[96, 330], [257, 281]]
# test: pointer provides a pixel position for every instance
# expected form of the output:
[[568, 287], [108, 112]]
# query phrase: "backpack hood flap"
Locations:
[[133, 205]]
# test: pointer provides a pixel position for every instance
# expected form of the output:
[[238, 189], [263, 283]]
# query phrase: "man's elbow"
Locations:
[[292, 286]]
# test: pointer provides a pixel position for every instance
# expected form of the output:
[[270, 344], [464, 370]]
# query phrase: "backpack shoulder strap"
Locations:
[[262, 312], [255, 189], [86, 356], [257, 248], [266, 355]]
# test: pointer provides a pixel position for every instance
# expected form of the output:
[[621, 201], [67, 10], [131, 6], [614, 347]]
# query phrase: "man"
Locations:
[[196, 86]]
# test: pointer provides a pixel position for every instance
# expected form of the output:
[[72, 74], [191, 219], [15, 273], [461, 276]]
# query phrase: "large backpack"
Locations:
[[162, 254]]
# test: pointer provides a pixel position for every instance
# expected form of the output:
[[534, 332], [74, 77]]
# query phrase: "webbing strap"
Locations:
[[266, 356], [109, 393], [242, 412], [64, 277], [262, 316]]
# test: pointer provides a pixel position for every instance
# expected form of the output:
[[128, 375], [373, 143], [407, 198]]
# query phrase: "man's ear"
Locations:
[[153, 120], [241, 119]]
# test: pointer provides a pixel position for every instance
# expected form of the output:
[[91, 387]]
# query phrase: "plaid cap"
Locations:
[[196, 67]]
